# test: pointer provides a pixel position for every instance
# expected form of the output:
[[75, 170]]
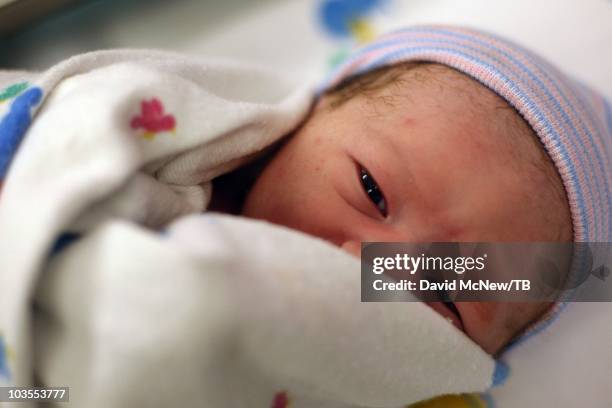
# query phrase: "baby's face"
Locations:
[[422, 162]]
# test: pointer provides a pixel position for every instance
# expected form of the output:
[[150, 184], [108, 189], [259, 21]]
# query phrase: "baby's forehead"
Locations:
[[419, 96], [440, 93], [430, 93]]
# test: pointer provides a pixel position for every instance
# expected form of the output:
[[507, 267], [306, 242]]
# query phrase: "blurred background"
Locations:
[[303, 37]]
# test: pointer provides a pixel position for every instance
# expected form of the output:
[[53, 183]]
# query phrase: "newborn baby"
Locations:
[[418, 152]]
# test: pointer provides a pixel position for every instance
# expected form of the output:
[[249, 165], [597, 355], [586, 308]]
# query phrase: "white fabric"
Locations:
[[216, 311], [567, 365], [226, 312]]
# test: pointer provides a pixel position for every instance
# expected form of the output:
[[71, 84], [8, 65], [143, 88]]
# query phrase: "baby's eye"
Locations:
[[373, 191]]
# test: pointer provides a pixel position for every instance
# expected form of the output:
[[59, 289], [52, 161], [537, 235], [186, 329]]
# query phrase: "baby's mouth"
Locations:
[[449, 311]]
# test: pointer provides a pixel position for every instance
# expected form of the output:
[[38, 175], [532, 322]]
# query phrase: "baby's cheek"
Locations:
[[483, 312], [485, 324]]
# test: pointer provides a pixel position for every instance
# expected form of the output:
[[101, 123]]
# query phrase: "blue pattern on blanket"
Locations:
[[337, 16], [4, 370], [14, 125]]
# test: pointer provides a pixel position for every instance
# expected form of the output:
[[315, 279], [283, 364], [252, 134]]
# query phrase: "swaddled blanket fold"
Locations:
[[103, 290]]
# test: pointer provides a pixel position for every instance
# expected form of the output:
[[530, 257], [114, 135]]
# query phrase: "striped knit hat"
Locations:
[[573, 122]]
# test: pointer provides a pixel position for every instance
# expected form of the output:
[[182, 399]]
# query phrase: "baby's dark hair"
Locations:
[[530, 159], [369, 83]]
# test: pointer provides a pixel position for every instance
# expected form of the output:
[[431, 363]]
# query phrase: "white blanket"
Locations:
[[209, 310]]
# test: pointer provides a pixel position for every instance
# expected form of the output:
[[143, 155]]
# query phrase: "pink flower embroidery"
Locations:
[[152, 119]]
